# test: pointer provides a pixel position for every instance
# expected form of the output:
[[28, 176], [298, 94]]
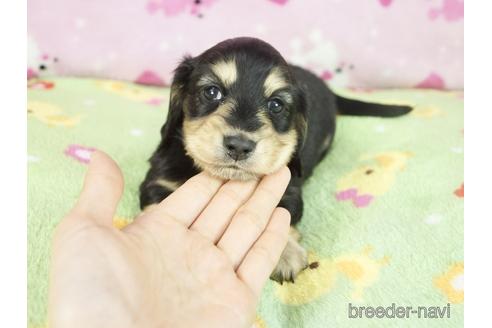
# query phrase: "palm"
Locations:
[[204, 278], [179, 264]]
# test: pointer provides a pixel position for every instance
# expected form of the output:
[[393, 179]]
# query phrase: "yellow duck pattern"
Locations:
[[133, 92], [373, 179], [451, 283], [50, 114], [360, 269]]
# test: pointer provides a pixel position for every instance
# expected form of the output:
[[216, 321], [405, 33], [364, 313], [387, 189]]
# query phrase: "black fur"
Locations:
[[361, 108], [312, 113]]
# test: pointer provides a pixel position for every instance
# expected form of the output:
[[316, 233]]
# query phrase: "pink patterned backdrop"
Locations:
[[366, 44]]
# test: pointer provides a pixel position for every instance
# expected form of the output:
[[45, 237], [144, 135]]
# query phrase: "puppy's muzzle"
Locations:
[[238, 147]]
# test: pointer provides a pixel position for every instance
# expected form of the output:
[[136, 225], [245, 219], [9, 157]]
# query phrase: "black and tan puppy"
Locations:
[[239, 111]]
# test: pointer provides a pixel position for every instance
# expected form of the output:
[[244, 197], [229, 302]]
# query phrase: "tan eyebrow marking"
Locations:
[[226, 71], [286, 96], [274, 81], [205, 80]]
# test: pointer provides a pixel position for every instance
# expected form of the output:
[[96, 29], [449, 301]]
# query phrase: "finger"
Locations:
[[262, 258], [216, 216], [189, 200], [250, 220], [102, 190]]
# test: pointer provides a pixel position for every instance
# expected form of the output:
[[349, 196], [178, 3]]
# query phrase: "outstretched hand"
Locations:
[[198, 259]]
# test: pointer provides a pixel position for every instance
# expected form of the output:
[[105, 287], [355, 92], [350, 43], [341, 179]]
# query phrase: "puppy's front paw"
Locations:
[[292, 261]]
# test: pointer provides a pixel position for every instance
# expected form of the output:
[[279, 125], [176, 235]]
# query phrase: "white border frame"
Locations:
[[478, 164], [13, 171]]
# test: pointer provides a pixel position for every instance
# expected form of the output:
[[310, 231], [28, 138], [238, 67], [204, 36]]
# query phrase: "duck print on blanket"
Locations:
[[360, 269], [362, 185], [450, 283], [50, 114], [133, 92]]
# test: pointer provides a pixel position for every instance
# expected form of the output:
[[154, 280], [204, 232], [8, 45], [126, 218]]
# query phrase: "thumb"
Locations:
[[102, 190]]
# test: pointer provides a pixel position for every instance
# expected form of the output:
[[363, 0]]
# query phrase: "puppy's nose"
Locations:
[[239, 147]]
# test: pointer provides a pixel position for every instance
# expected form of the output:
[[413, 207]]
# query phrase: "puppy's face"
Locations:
[[243, 114]]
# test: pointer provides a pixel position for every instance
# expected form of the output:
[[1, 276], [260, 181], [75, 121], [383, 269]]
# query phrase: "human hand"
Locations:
[[198, 259]]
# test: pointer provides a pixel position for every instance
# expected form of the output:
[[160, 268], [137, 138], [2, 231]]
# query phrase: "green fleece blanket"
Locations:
[[383, 218]]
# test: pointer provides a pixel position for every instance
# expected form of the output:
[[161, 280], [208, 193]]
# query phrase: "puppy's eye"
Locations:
[[275, 105], [212, 93]]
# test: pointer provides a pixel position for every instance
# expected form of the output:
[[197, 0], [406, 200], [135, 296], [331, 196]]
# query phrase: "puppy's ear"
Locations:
[[295, 165], [301, 117], [178, 89], [300, 124], [181, 76]]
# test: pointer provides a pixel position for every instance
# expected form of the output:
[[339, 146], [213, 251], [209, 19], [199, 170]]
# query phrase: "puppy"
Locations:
[[240, 111]]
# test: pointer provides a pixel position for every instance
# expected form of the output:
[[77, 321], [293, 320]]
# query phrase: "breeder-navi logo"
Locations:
[[399, 312]]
